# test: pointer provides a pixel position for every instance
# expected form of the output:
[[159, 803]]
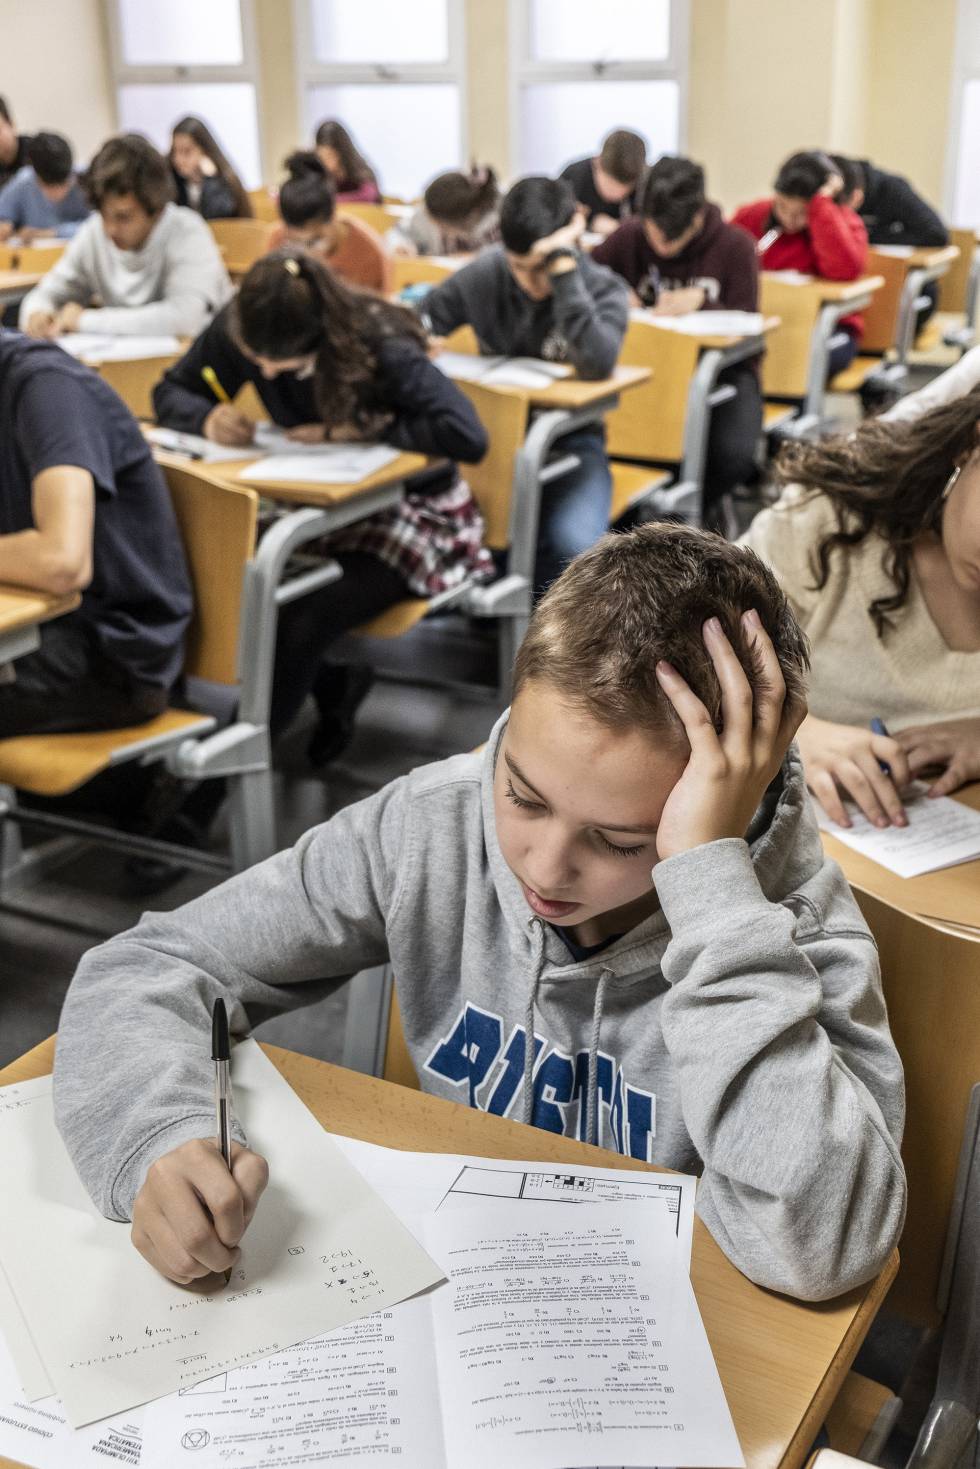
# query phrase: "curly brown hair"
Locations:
[[885, 479], [290, 305]]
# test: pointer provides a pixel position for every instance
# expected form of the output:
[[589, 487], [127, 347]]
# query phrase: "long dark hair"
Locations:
[[199, 133], [356, 169], [289, 305], [885, 479], [309, 192]]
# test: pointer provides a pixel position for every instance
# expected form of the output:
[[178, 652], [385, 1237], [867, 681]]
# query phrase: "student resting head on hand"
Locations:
[[204, 178], [354, 178], [876, 542], [308, 206], [550, 908], [607, 187], [459, 214]]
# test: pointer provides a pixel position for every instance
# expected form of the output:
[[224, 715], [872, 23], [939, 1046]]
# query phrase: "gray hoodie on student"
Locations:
[[740, 1033]]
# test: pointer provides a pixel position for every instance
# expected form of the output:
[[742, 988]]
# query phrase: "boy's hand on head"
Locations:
[[566, 238], [727, 773], [191, 1213], [845, 760]]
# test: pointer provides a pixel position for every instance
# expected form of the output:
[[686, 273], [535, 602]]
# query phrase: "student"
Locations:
[[13, 145], [562, 882], [203, 177], [804, 227], [83, 508], [535, 295], [679, 255], [355, 180], [45, 198], [876, 542], [459, 214], [152, 265], [307, 202], [893, 213], [332, 364], [607, 188]]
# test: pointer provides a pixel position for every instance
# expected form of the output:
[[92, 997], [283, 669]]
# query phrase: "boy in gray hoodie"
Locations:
[[616, 923]]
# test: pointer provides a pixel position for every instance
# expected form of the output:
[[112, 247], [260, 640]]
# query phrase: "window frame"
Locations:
[[128, 73], [966, 68], [311, 73], [525, 70]]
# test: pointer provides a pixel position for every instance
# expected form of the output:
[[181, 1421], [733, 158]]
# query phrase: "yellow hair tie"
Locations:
[[292, 266]]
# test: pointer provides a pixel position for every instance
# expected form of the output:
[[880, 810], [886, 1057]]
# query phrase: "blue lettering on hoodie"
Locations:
[[474, 1055]]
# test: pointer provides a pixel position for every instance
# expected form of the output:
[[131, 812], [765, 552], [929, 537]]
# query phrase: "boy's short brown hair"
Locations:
[[624, 156], [129, 164], [644, 595]]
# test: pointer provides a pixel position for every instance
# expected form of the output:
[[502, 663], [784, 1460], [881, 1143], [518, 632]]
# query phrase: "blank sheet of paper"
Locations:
[[322, 1250], [328, 464]]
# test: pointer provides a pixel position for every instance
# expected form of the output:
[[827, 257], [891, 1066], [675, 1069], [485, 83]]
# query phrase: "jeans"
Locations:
[[66, 684], [575, 507], [842, 356]]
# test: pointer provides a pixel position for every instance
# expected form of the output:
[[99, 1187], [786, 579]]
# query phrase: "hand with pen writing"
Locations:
[[191, 1212], [845, 761], [225, 425]]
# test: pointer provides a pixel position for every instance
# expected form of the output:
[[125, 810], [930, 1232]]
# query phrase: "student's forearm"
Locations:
[[593, 331], [171, 318], [30, 559]]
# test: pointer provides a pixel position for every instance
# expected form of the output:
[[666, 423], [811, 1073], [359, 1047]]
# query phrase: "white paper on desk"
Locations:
[[15, 1334], [562, 1345], [900, 252], [194, 444], [328, 464], [708, 323], [96, 348], [502, 372], [322, 1250], [791, 277], [39, 1434], [941, 833]]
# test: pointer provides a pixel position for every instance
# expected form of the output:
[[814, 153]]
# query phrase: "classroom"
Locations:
[[490, 730]]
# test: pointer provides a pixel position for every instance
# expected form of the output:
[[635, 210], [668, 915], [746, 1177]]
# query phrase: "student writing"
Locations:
[[607, 187], [83, 508], [459, 214], [550, 910], [307, 203], [876, 541], [333, 364], [354, 178], [153, 265], [536, 295], [45, 198], [204, 178]]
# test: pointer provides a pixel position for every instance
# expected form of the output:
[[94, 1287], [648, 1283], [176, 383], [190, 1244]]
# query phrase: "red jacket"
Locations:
[[834, 244]]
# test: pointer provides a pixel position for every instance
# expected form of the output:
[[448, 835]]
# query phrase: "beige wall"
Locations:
[[280, 108], [54, 69], [488, 95], [911, 83]]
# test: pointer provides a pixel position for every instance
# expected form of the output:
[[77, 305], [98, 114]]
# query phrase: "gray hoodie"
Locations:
[[740, 1033]]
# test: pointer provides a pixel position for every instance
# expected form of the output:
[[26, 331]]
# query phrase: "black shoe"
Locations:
[[339, 692]]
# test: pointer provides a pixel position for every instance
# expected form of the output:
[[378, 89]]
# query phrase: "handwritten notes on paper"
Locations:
[[322, 1251], [941, 833]]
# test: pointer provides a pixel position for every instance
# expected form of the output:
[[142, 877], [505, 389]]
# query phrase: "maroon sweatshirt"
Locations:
[[721, 259]]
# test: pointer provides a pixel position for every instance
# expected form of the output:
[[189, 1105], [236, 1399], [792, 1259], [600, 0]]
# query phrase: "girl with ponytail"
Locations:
[[331, 364], [459, 214]]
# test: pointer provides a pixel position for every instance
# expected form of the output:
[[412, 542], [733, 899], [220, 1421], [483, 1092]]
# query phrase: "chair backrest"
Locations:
[[959, 1366], [931, 980], [786, 365], [398, 1066], [264, 205], [218, 527], [241, 241], [952, 286], [374, 248], [6, 258], [418, 270], [376, 216], [38, 257], [504, 415], [135, 380], [881, 317], [649, 422]]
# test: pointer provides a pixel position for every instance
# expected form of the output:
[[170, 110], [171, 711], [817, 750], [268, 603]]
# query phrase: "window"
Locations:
[[581, 69], [397, 86], [189, 56], [963, 154]]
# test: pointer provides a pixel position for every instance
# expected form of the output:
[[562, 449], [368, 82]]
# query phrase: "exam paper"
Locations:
[[327, 464], [95, 348], [269, 439], [322, 1250], [31, 1372], [708, 323], [940, 833], [501, 372]]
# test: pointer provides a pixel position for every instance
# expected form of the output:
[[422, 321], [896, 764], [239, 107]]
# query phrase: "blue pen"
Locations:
[[878, 728]]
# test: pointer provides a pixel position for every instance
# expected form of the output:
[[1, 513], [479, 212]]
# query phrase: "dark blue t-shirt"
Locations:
[[54, 410]]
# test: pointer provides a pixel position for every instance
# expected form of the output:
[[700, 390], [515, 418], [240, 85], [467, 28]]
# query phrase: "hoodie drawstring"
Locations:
[[591, 1100]]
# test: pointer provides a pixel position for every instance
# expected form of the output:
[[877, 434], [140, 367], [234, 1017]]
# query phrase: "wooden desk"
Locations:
[[781, 1362], [21, 611], [790, 368], [15, 284], [889, 325]]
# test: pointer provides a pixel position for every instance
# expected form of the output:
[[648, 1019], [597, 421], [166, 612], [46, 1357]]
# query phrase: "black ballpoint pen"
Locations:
[[221, 1056]]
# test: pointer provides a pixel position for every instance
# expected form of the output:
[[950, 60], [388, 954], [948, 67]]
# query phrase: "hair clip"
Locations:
[[292, 265]]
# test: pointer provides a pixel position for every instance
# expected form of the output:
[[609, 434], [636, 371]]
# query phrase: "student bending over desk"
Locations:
[[330, 363], [804, 227], [679, 255], [45, 198], [876, 542], [551, 910], [607, 187], [307, 203], [154, 266], [459, 214], [535, 295], [84, 508]]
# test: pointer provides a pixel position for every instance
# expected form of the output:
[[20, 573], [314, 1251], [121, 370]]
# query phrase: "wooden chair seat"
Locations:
[[853, 378], [631, 482], [930, 336], [396, 620], [54, 764], [862, 1417]]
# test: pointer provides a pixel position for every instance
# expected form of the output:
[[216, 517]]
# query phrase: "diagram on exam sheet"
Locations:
[[563, 1187]]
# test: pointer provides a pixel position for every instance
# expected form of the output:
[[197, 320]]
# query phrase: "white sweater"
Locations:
[[954, 383], [173, 286]]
